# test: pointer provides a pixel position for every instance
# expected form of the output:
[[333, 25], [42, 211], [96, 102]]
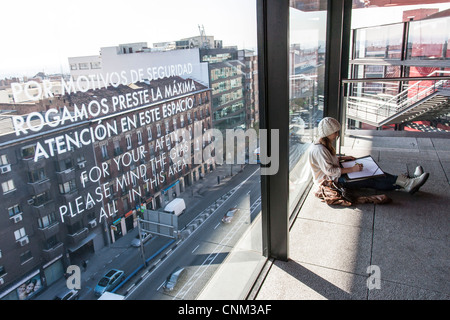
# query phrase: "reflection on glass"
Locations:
[[378, 54], [102, 137], [379, 42], [428, 39], [306, 74]]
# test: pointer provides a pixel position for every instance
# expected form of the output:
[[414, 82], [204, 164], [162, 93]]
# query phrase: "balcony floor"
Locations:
[[331, 248]]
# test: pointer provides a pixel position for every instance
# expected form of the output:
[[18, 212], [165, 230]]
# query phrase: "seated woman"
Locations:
[[325, 165]]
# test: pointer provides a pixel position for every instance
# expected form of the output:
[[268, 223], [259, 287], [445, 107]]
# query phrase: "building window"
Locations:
[[117, 149], [41, 198], [24, 257], [47, 220], [167, 126], [8, 186], [134, 180], [174, 124], [128, 140], [80, 158], [64, 165], [151, 147], [149, 133], [104, 150], [74, 228], [67, 187], [96, 65], [139, 137], [158, 130], [19, 234], [12, 211], [83, 66], [3, 160], [28, 152], [51, 242], [125, 203], [37, 175]]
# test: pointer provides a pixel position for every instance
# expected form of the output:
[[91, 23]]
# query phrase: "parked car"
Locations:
[[67, 294], [109, 281], [136, 242], [173, 278], [228, 217]]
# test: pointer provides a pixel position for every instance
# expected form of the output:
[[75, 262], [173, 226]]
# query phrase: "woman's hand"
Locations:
[[357, 167]]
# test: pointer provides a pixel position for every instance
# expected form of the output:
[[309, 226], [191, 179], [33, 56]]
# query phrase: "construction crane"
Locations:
[[204, 44]]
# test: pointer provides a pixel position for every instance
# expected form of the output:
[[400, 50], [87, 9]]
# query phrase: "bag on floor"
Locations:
[[335, 194]]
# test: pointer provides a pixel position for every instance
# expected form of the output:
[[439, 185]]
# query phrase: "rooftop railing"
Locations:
[[372, 100]]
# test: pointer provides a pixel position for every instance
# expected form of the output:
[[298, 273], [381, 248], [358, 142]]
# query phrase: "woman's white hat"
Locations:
[[328, 126]]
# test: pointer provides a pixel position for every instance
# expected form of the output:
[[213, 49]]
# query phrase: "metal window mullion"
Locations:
[[273, 57]]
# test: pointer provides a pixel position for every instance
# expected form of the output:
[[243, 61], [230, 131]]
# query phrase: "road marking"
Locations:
[[217, 226], [211, 257], [155, 265], [195, 248]]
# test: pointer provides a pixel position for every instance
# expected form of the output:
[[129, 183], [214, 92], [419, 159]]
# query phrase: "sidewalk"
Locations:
[[98, 261]]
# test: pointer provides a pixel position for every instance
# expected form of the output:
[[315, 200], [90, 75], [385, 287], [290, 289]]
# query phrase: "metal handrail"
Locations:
[[383, 106]]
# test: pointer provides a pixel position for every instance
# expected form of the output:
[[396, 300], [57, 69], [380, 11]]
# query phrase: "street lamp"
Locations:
[[141, 242]]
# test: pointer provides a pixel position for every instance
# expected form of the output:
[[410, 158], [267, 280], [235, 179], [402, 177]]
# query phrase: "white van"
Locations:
[[176, 207]]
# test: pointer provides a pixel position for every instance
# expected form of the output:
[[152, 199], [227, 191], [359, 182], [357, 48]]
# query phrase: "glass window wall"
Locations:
[[379, 42], [137, 91], [428, 39], [308, 21]]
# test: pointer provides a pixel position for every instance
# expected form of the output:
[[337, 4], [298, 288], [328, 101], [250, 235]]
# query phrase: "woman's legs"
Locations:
[[386, 182]]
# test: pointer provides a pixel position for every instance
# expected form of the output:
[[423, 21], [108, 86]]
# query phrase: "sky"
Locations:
[[41, 35]]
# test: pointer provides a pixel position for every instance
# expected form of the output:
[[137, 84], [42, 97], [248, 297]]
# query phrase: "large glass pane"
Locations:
[[306, 74], [379, 42], [379, 53], [126, 107], [428, 39]]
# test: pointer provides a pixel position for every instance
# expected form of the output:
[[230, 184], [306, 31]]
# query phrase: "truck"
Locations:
[[177, 207]]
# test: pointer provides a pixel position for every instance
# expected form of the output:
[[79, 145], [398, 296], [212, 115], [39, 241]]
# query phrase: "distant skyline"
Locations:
[[40, 36]]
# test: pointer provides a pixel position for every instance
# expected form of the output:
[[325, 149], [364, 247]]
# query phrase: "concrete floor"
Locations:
[[399, 250]]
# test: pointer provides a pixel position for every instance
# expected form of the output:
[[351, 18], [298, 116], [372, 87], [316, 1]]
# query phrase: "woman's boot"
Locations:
[[412, 185]]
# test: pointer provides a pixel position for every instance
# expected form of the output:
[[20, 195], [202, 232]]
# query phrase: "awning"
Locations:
[[171, 186]]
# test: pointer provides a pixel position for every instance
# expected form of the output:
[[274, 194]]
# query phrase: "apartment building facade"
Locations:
[[62, 202], [36, 245]]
